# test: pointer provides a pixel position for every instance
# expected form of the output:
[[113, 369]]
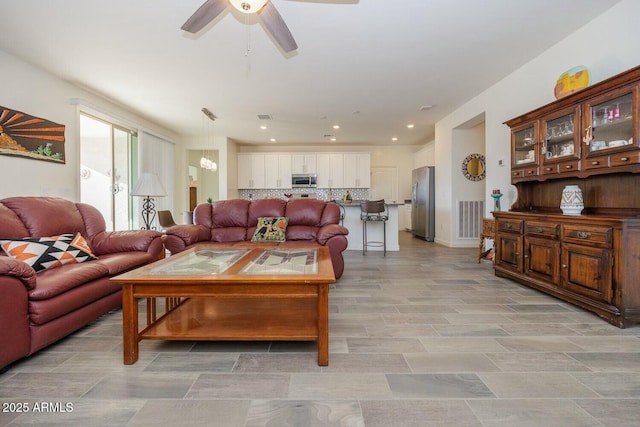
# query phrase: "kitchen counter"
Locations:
[[358, 202], [353, 223]]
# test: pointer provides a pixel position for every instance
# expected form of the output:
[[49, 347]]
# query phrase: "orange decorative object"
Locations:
[[571, 81]]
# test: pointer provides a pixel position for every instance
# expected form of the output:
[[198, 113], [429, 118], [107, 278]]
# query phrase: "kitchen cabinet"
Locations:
[[357, 170], [251, 171], [304, 163], [277, 170], [330, 170], [404, 217]]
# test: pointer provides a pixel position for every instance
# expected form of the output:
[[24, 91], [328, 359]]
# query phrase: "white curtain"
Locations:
[[157, 155]]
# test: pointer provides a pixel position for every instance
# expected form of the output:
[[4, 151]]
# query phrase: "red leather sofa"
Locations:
[[37, 309], [225, 221]]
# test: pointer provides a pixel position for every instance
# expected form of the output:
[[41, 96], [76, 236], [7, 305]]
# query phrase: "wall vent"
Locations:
[[470, 214], [264, 116]]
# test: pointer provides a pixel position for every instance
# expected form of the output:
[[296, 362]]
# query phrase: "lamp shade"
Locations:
[[148, 185]]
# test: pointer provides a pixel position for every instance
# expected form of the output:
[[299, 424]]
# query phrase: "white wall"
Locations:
[[219, 147], [606, 46], [35, 92], [426, 156]]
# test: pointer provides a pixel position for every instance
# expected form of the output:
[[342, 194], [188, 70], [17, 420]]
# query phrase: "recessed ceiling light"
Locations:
[[263, 127], [410, 126], [333, 140], [336, 126], [272, 140], [395, 138]]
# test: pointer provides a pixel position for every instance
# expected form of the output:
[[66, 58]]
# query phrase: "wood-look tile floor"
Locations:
[[422, 337]]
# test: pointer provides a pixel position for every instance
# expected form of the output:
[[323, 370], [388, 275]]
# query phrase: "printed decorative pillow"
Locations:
[[270, 229], [42, 253]]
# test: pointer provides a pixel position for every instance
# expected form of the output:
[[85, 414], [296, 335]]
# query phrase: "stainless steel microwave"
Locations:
[[303, 180]]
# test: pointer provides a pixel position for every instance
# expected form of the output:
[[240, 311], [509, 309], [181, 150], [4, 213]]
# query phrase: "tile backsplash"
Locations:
[[317, 193]]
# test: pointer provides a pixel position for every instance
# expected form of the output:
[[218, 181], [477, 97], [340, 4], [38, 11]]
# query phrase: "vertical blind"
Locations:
[[157, 156]]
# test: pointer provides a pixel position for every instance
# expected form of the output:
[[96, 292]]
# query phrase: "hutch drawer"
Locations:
[[510, 225], [541, 229], [592, 235]]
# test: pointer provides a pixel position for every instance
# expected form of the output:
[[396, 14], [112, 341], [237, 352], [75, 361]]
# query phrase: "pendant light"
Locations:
[[205, 162]]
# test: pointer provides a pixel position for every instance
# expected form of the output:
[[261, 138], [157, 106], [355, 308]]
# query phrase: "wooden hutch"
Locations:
[[591, 139]]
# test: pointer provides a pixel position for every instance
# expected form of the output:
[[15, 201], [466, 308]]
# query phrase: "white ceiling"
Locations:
[[381, 58]]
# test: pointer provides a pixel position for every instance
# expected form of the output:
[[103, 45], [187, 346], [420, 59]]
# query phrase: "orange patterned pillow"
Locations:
[[42, 253]]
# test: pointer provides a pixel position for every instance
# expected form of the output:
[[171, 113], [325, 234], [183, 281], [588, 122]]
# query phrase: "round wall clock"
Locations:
[[473, 167]]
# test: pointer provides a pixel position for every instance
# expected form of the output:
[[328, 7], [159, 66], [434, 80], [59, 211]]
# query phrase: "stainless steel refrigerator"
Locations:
[[423, 208]]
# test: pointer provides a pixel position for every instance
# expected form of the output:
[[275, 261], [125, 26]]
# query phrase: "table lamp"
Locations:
[[148, 186]]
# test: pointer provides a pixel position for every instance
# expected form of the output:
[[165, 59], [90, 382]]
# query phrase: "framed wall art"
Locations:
[[28, 136]]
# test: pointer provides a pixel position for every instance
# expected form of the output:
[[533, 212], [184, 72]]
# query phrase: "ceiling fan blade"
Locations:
[[205, 14], [275, 25]]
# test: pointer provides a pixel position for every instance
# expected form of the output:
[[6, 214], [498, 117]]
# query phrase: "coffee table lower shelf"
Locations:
[[238, 319]]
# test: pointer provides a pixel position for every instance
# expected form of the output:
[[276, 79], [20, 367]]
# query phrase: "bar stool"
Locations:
[[374, 210]]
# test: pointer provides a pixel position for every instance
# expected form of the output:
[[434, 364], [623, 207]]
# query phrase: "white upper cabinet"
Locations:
[[251, 171], [277, 170], [357, 170], [274, 170], [330, 170], [303, 163]]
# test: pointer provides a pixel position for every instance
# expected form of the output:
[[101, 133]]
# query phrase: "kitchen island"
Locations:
[[353, 223]]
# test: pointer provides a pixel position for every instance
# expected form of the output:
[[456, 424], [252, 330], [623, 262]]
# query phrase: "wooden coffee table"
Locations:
[[234, 292]]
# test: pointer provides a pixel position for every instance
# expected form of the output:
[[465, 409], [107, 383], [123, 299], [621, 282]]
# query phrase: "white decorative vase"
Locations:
[[572, 203]]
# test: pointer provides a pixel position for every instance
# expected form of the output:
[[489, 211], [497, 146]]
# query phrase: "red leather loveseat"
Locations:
[[39, 308], [309, 221]]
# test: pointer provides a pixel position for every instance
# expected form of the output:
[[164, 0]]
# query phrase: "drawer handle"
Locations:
[[548, 169], [595, 163], [530, 172], [516, 173], [584, 235], [624, 159], [509, 225], [539, 229], [568, 167]]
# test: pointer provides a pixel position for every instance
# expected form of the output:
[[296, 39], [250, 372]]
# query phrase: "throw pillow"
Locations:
[[270, 229], [42, 253]]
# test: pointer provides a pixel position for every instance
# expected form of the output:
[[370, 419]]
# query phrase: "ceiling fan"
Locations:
[[266, 11]]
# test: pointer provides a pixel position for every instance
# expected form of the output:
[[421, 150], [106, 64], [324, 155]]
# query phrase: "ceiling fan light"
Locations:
[[248, 6]]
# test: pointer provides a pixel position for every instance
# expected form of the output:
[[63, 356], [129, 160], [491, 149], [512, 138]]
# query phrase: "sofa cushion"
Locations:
[[260, 208], [305, 211], [47, 216], [120, 262], [270, 229], [45, 310], [11, 226], [302, 232], [43, 253], [51, 283], [228, 213], [229, 234]]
